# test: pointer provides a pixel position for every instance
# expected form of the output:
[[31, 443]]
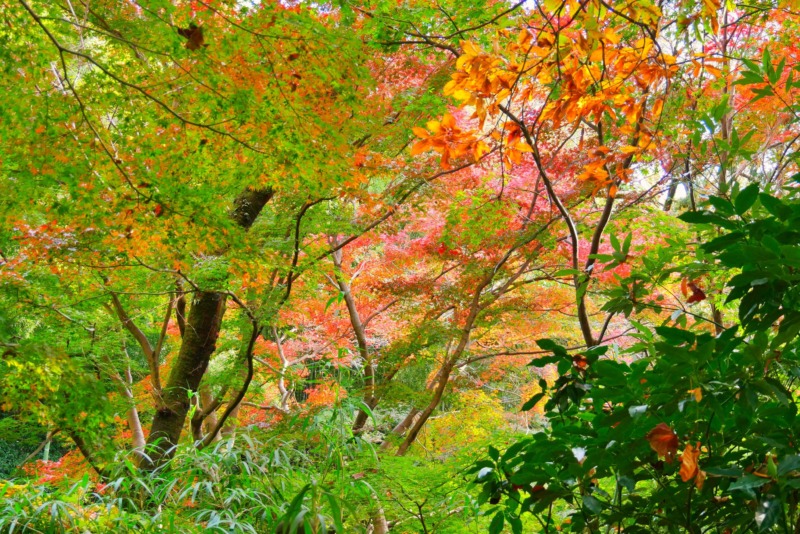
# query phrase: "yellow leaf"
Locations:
[[710, 7], [461, 94], [627, 150], [523, 147], [481, 149], [434, 126], [470, 48], [448, 121], [611, 35], [658, 105]]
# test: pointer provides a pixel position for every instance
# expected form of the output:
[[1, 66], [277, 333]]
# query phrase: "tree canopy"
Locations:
[[399, 266]]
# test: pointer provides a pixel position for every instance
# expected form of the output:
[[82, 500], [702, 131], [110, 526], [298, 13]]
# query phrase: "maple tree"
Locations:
[[262, 262]]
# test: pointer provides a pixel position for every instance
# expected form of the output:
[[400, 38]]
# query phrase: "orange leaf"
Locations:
[[700, 478], [420, 132], [481, 149], [658, 105], [664, 441], [448, 121], [689, 468], [420, 147]]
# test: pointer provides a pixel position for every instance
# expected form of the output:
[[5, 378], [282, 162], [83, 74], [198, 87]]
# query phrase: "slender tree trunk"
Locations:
[[88, 453], [673, 188], [413, 414], [206, 401], [444, 379], [361, 341], [134, 423], [229, 429], [401, 428], [716, 314]]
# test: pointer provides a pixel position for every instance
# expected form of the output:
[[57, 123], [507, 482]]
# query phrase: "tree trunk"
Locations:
[[379, 524], [401, 428], [412, 415], [673, 188], [134, 423], [361, 340], [206, 401], [444, 379], [199, 342]]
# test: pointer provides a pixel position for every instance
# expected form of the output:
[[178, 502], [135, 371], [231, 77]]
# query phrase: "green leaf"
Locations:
[[336, 510], [496, 526], [767, 513], [745, 199], [532, 401], [552, 346], [789, 464], [592, 504], [565, 272], [748, 482], [614, 242], [675, 336], [775, 206]]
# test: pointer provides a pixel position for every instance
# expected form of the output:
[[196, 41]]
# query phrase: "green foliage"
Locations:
[[246, 484], [729, 397]]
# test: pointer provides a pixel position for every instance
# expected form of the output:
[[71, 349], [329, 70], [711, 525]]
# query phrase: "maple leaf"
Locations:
[[664, 441]]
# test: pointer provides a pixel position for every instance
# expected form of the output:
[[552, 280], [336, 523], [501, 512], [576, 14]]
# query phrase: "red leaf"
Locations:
[[698, 294]]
